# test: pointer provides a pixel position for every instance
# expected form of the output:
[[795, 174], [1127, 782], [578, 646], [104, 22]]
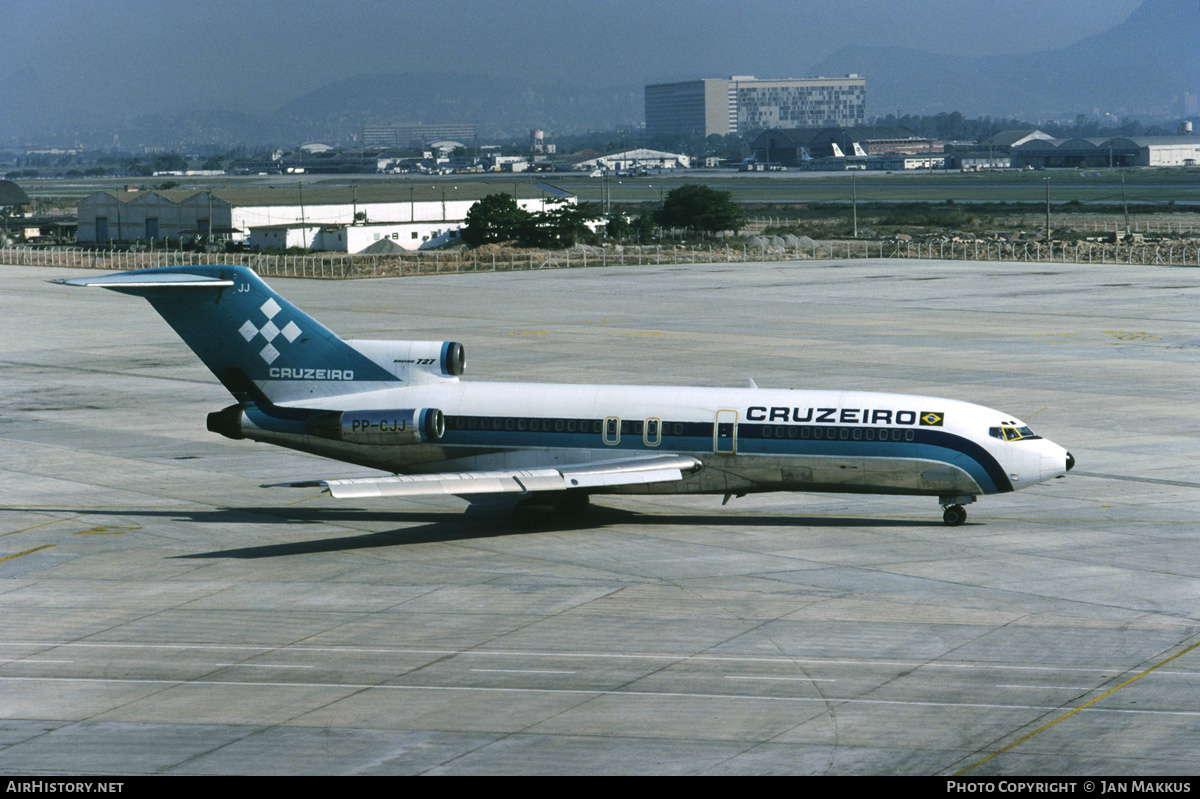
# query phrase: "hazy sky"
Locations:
[[134, 56]]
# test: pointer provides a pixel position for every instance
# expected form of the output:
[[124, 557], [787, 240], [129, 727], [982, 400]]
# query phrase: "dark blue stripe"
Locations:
[[927, 444]]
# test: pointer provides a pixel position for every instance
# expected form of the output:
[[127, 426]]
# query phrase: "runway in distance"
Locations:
[[401, 407]]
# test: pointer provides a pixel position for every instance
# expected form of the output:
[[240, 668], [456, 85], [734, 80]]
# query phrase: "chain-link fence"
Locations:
[[1077, 223], [337, 266]]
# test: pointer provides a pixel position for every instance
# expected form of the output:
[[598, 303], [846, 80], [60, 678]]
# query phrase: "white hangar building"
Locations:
[[342, 218], [637, 159], [1121, 151]]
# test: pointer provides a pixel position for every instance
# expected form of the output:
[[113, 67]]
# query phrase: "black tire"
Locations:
[[954, 515]]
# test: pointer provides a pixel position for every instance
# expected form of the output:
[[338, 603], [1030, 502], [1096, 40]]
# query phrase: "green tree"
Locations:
[[643, 228], [700, 208], [562, 224], [496, 217], [169, 162], [618, 226]]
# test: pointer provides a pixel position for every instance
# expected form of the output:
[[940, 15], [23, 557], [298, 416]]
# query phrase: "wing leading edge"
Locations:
[[600, 474]]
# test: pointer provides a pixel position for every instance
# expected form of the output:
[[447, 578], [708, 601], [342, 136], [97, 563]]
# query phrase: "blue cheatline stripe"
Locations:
[[277, 424], [932, 445]]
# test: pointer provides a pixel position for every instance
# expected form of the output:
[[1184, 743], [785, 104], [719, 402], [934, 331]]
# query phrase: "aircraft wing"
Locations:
[[595, 475]]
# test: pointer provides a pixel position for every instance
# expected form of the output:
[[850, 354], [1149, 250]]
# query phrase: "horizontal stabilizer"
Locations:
[[598, 475], [140, 280]]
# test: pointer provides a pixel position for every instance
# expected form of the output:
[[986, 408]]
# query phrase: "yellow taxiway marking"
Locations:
[[27, 552], [1087, 704], [43, 524], [1130, 335], [103, 530]]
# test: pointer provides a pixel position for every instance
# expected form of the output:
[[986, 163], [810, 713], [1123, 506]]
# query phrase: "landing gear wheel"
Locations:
[[954, 515]]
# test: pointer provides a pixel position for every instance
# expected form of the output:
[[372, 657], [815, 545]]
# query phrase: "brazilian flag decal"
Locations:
[[931, 418]]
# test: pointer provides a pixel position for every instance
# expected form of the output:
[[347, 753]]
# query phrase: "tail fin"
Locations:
[[254, 341]]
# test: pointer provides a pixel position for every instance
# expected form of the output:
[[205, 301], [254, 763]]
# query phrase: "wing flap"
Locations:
[[601, 474]]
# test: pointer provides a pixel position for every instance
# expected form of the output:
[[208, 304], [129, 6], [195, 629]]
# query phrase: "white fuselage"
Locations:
[[747, 439]]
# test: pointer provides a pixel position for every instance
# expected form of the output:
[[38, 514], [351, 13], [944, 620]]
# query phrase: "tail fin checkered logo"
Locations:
[[270, 331]]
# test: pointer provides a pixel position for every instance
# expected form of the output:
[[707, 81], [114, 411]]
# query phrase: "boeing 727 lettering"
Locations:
[[401, 407]]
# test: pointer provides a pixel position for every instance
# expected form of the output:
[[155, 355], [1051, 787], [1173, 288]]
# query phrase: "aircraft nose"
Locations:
[[1070, 461]]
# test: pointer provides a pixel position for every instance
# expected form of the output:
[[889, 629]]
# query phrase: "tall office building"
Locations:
[[743, 103], [409, 135]]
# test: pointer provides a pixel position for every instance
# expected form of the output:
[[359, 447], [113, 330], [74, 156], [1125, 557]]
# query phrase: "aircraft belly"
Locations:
[[724, 474]]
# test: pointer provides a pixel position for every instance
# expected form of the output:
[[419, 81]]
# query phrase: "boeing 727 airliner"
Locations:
[[400, 407]]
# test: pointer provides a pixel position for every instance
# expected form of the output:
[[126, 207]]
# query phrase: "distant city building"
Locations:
[[742, 103], [415, 216], [414, 135]]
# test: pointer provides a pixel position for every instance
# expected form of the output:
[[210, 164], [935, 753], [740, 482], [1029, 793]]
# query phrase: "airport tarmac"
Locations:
[[162, 614]]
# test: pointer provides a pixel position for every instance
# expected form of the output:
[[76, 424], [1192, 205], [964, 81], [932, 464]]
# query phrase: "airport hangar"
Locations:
[[331, 218], [164, 614], [1119, 151]]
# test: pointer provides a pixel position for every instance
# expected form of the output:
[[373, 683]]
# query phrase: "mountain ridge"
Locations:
[[1143, 66]]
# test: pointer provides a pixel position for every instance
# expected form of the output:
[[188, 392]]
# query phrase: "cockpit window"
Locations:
[[1008, 433]]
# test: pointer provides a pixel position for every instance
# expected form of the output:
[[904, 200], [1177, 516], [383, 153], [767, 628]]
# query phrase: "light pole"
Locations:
[[1125, 205], [303, 224], [854, 204], [1047, 209]]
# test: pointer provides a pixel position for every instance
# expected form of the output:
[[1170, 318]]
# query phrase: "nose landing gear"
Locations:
[[953, 513]]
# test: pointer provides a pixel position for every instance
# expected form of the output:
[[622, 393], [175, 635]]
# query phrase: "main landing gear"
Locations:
[[953, 512], [537, 509], [954, 515]]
